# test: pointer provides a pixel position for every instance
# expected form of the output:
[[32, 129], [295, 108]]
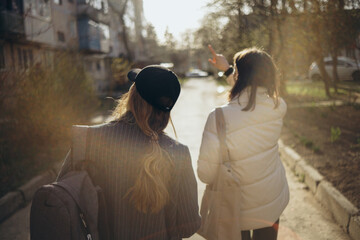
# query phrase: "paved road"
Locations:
[[303, 219]]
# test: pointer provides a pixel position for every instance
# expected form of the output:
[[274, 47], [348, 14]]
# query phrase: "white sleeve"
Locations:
[[209, 158]]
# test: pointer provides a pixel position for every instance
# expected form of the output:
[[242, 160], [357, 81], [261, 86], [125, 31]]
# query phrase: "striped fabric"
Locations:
[[117, 148]]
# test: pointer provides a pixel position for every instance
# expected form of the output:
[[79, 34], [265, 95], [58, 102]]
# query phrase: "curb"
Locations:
[[342, 210], [19, 198]]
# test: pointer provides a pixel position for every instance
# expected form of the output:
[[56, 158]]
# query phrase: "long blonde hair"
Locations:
[[150, 191]]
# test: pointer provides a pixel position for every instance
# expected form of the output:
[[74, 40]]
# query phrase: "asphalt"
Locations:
[[304, 218]]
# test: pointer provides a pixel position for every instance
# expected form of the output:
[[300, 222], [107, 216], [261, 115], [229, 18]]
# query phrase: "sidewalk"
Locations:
[[303, 219]]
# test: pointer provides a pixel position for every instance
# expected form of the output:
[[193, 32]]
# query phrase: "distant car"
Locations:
[[347, 69], [167, 65], [196, 73]]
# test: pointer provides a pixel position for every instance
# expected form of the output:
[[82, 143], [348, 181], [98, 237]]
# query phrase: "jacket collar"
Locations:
[[245, 94]]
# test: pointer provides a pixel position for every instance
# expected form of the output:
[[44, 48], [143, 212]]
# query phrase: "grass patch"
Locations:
[[317, 90], [309, 144], [356, 106], [323, 115], [309, 89], [335, 134], [301, 177]]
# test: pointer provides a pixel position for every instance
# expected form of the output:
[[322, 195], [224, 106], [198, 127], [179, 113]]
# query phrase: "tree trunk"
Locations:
[[124, 34], [292, 6], [272, 27], [316, 27], [325, 76], [305, 5], [335, 74], [125, 39]]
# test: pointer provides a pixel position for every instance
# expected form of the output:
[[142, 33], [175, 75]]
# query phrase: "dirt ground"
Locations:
[[335, 153]]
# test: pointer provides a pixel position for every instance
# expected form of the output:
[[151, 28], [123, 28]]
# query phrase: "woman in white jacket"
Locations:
[[254, 117]]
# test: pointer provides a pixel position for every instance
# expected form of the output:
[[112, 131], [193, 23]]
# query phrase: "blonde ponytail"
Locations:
[[150, 191]]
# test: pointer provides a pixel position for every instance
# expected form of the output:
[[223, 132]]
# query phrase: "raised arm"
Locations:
[[220, 62]]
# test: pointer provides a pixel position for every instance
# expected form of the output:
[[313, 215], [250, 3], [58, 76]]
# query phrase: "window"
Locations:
[[98, 66], [59, 2], [70, 1], [89, 66], [341, 63], [47, 57], [20, 60], [104, 31], [72, 29], [61, 36], [350, 65], [2, 57], [25, 59], [43, 8], [39, 8], [31, 57], [328, 63]]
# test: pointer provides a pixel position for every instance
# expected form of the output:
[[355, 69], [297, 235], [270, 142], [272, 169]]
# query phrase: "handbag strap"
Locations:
[[221, 132]]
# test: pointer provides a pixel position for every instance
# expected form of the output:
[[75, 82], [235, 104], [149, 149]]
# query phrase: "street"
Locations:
[[304, 218]]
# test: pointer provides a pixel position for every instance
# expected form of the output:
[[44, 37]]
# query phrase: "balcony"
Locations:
[[96, 10], [11, 24], [93, 36]]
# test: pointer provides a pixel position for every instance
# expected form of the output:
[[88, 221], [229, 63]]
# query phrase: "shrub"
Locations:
[[335, 134], [119, 68], [38, 107]]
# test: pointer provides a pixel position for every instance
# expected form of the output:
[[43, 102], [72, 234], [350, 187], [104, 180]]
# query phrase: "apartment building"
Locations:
[[64, 20], [32, 31], [94, 39], [26, 34], [11, 29]]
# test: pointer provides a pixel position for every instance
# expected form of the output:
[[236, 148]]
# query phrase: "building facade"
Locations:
[[33, 31]]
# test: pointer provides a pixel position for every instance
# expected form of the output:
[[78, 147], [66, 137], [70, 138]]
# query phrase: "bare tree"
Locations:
[[120, 8], [315, 24]]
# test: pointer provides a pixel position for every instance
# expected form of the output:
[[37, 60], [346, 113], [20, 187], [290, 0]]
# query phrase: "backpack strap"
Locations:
[[81, 214], [79, 143], [79, 149]]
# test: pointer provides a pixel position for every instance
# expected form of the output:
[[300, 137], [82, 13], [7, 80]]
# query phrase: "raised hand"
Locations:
[[218, 60]]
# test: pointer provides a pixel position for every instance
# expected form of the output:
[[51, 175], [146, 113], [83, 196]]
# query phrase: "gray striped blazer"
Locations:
[[115, 149]]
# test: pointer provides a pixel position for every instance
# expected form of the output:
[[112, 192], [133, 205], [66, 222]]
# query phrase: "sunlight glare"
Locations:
[[177, 15]]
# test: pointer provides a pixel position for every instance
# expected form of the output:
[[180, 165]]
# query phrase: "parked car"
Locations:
[[347, 69], [196, 73]]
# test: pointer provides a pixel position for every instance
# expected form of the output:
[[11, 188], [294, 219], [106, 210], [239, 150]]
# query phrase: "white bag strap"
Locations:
[[221, 131]]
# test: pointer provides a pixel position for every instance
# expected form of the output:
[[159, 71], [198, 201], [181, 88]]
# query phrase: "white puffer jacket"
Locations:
[[252, 138]]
